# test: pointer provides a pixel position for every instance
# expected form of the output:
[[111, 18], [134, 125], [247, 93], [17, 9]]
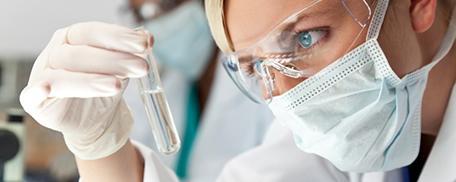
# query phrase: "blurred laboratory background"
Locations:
[[29, 152]]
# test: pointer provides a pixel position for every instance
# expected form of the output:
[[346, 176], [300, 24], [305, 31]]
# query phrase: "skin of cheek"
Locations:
[[398, 40]]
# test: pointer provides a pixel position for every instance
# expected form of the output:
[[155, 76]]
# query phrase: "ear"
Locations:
[[422, 14]]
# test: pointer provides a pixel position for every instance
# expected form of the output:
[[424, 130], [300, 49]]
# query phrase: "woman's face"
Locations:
[[334, 31]]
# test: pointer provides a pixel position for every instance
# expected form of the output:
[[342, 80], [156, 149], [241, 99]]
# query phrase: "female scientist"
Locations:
[[358, 83]]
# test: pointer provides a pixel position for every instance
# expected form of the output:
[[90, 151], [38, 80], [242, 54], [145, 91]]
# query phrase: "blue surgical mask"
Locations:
[[182, 39], [357, 112]]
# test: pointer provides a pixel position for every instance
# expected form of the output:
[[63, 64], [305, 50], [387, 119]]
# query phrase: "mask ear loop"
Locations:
[[447, 42], [377, 19]]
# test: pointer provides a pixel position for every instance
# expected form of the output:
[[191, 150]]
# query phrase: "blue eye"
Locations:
[[307, 39]]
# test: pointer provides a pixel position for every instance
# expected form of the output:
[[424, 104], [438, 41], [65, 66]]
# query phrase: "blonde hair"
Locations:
[[216, 18]]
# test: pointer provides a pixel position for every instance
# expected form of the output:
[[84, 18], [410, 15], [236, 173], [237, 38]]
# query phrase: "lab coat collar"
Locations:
[[441, 163]]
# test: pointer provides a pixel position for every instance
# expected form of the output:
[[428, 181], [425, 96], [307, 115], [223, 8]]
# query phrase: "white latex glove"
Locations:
[[77, 82]]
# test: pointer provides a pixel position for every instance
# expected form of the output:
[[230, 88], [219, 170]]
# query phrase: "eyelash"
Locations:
[[249, 68]]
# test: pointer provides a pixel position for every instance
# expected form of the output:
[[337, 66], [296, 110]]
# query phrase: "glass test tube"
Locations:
[[158, 113]]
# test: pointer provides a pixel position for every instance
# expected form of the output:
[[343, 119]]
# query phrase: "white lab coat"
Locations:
[[279, 160], [228, 126]]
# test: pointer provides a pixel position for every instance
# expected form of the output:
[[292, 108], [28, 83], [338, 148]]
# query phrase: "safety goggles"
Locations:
[[289, 54]]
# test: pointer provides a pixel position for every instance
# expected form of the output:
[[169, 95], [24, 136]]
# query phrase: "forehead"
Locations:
[[249, 20]]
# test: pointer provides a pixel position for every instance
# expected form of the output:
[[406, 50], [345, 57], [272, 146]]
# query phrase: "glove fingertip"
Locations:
[[33, 95]]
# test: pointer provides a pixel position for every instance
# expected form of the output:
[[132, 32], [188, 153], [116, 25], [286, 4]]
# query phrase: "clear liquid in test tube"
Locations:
[[157, 109]]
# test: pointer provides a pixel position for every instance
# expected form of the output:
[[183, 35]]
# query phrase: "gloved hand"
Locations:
[[77, 82]]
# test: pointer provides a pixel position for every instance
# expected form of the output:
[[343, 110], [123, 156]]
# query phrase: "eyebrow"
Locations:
[[302, 15], [314, 8]]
